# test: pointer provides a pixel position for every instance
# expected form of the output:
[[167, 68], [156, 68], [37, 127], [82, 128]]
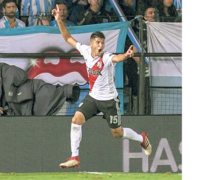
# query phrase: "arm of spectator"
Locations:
[[1, 110], [136, 58], [65, 33], [122, 57]]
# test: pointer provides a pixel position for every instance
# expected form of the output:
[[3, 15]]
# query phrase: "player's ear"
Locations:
[[91, 41]]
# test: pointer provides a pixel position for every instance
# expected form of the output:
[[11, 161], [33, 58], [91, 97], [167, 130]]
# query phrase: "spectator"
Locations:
[[64, 15], [32, 9], [150, 14], [95, 14], [130, 66], [126, 6], [9, 20], [43, 21], [2, 13], [141, 5], [76, 7], [167, 11]]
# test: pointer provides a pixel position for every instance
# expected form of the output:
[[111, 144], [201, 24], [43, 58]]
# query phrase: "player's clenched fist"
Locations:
[[55, 13]]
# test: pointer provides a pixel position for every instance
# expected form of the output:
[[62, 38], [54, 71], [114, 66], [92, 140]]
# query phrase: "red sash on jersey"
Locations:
[[95, 71]]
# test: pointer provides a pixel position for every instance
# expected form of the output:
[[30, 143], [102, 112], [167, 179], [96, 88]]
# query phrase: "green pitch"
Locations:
[[89, 176]]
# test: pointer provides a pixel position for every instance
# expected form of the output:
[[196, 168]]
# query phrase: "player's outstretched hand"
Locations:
[[55, 13], [130, 52]]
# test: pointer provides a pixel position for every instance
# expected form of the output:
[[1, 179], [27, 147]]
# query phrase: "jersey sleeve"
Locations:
[[83, 49], [108, 59]]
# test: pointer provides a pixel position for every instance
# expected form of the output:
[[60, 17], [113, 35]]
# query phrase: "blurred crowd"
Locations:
[[82, 12]]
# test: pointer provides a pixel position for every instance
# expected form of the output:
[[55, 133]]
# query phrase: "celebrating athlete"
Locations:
[[103, 96]]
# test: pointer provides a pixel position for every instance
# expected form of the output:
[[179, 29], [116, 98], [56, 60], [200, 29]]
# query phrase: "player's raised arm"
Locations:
[[65, 33], [122, 57]]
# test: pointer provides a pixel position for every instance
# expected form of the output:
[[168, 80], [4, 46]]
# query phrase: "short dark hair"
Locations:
[[62, 3], [66, 2], [147, 7], [8, 1], [97, 34]]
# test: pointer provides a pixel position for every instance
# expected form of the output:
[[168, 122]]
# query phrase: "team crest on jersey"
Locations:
[[99, 65]]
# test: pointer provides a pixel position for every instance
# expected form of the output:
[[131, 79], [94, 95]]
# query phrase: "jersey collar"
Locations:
[[97, 57], [7, 23]]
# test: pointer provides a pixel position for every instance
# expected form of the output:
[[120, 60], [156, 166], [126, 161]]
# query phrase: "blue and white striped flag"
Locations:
[[35, 8]]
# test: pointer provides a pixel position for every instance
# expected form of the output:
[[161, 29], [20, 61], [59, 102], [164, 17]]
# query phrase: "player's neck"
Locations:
[[93, 54]]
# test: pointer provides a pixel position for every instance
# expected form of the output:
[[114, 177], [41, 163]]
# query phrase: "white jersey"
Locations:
[[4, 23], [101, 73]]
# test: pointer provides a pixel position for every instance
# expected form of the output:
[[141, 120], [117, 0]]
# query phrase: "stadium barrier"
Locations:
[[149, 101], [40, 144], [154, 100]]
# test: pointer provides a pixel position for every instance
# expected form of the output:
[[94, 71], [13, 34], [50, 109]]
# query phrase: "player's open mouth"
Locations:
[[99, 50]]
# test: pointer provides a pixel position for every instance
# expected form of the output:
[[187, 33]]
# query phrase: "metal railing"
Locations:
[[44, 55], [142, 104]]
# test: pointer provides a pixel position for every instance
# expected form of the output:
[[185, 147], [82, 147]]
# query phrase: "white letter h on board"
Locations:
[[128, 155]]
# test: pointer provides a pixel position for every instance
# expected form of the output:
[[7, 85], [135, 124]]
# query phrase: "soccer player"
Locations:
[[103, 96]]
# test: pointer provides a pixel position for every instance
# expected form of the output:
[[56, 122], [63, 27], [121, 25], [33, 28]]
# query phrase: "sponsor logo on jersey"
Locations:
[[94, 72]]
